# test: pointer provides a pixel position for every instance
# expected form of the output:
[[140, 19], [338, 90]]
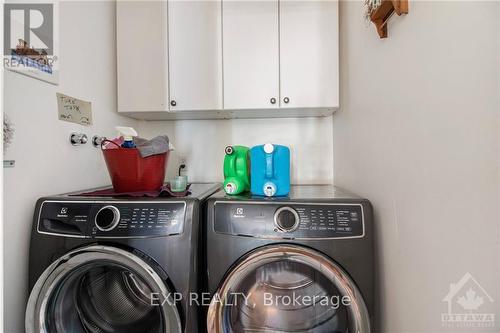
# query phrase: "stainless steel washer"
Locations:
[[298, 264], [115, 264]]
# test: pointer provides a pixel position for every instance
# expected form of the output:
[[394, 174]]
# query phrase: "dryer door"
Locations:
[[287, 288], [101, 289]]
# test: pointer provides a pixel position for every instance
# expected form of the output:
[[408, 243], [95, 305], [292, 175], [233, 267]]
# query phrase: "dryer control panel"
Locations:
[[289, 220], [112, 219]]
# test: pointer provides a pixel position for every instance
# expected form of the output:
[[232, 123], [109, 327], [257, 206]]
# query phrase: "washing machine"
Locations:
[[101, 264], [304, 263]]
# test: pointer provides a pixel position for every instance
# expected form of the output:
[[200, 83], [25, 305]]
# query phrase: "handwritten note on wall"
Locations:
[[74, 110]]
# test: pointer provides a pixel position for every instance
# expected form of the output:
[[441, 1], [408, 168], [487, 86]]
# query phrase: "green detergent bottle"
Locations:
[[237, 170]]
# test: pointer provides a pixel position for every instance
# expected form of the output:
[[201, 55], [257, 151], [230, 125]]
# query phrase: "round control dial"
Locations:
[[286, 219], [107, 218]]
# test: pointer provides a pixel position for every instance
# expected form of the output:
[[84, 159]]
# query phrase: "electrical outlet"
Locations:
[[183, 161]]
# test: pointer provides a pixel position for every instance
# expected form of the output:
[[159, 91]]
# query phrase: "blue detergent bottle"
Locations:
[[270, 170]]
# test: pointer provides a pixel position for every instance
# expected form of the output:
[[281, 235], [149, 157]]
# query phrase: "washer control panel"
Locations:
[[289, 220], [111, 219]]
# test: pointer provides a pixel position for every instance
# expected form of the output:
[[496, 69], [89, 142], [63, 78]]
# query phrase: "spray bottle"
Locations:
[[128, 134]]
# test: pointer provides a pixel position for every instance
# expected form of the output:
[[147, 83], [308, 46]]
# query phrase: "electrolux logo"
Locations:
[[240, 213], [468, 303]]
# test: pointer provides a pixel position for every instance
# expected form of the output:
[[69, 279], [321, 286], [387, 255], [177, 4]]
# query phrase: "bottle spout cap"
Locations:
[[268, 148], [269, 189], [231, 188]]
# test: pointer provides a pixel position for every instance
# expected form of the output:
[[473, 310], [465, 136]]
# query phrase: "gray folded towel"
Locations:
[[157, 145]]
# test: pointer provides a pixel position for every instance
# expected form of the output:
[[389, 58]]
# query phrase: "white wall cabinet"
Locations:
[[142, 56], [227, 59], [251, 54], [309, 54], [195, 59]]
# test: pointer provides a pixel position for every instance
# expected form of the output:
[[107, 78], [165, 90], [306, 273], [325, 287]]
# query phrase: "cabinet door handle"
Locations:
[[173, 103], [286, 100], [273, 100]]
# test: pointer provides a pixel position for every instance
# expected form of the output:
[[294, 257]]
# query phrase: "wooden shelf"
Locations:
[[381, 15]]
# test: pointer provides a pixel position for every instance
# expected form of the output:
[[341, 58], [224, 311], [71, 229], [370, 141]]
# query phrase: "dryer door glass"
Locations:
[[101, 289], [287, 289]]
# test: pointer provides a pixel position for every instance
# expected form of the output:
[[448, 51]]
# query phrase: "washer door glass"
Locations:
[[287, 289], [101, 289]]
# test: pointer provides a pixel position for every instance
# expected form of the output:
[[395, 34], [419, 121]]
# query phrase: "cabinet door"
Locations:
[[309, 54], [250, 54], [142, 70], [195, 55]]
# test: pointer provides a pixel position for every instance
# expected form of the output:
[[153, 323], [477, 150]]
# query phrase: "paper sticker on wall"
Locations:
[[74, 110]]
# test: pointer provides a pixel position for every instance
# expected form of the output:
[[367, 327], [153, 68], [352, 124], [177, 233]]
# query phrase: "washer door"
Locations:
[[287, 288], [101, 289]]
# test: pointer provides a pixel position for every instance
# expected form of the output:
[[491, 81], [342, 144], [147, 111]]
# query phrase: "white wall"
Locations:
[[418, 135], [202, 143], [45, 161]]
